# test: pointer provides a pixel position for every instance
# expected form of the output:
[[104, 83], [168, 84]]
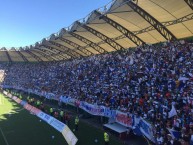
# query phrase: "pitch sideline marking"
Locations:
[[20, 109], [4, 137]]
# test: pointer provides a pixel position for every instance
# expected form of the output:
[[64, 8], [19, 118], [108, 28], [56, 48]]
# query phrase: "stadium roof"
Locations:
[[119, 25]]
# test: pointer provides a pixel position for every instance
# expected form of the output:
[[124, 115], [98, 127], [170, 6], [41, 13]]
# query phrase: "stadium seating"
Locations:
[[146, 81]]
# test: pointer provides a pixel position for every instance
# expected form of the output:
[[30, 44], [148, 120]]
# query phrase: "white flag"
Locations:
[[172, 112]]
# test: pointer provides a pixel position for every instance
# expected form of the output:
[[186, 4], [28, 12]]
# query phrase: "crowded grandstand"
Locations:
[[131, 62]]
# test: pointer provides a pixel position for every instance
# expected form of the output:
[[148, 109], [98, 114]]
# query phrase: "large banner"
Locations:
[[69, 136], [97, 110], [35, 110], [18, 100], [28, 107], [41, 115], [124, 119], [58, 125], [48, 118], [92, 109], [147, 130]]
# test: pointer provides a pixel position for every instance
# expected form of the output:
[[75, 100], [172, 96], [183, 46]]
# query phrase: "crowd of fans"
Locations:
[[146, 81]]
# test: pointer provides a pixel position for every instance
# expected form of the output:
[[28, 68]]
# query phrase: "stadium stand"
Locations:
[[152, 80], [146, 81]]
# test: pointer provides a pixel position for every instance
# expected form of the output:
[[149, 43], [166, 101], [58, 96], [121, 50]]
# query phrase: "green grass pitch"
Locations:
[[19, 127]]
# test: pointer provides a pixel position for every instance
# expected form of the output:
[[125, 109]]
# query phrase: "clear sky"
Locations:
[[24, 22]]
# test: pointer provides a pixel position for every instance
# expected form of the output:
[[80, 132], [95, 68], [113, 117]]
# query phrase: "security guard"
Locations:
[[28, 99], [20, 96], [38, 103], [76, 123], [61, 115], [51, 111], [106, 138]]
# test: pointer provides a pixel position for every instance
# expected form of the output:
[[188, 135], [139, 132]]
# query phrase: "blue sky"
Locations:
[[24, 22]]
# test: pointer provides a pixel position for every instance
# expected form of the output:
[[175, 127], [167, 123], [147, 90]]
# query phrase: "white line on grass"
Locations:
[[13, 111], [19, 110], [4, 137]]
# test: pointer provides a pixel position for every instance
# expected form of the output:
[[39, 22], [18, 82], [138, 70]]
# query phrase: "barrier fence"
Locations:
[[123, 118]]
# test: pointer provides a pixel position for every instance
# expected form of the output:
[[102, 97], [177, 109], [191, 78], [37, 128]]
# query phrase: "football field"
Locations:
[[19, 127]]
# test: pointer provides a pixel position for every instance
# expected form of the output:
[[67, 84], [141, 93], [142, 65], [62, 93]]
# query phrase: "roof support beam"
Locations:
[[168, 23], [22, 56], [48, 53], [68, 51], [44, 55], [189, 3], [8, 56], [33, 55], [77, 46], [135, 39], [150, 19], [55, 50], [108, 40], [180, 20], [88, 42]]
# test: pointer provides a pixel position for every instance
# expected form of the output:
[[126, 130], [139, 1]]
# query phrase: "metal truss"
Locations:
[[44, 55], [33, 55], [88, 42], [168, 23], [80, 48], [68, 51], [135, 39], [55, 51], [150, 28], [155, 23], [108, 40], [50, 53], [189, 3], [180, 20], [8, 56], [22, 56]]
